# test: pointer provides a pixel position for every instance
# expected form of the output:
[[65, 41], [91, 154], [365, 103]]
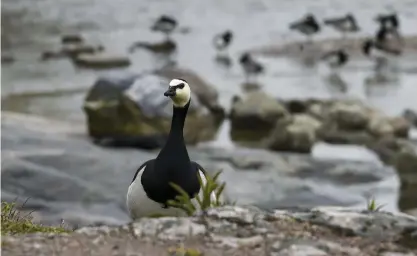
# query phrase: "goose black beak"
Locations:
[[170, 92]]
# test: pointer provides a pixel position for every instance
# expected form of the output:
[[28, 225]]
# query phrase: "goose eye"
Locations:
[[180, 86]]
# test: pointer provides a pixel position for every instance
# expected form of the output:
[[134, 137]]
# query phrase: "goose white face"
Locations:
[[179, 91]]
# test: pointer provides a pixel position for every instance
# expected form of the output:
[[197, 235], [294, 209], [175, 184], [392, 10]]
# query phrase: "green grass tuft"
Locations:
[[372, 206], [13, 222], [181, 251], [183, 201]]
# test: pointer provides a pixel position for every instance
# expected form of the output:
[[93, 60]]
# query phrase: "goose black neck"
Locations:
[[178, 119], [175, 141], [176, 134]]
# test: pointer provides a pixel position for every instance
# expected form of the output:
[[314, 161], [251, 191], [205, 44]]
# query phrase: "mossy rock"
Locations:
[[253, 118], [134, 109]]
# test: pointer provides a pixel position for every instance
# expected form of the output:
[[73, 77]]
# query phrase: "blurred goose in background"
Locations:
[[335, 59], [390, 39], [166, 25], [389, 21], [223, 40], [379, 52], [329, 66], [307, 26], [250, 66], [345, 24]]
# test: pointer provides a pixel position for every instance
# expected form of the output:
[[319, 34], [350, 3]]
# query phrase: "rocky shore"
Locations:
[[236, 231]]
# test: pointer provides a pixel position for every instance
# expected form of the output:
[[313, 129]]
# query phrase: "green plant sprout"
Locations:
[[372, 205], [204, 200], [181, 251]]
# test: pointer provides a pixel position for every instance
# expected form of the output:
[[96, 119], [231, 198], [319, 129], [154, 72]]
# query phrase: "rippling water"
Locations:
[[30, 27]]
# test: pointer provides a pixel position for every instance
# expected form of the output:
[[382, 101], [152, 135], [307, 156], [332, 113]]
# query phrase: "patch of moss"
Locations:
[[14, 222], [181, 251]]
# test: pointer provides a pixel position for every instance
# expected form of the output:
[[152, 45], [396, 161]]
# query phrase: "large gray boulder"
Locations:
[[130, 109], [349, 115], [254, 116]]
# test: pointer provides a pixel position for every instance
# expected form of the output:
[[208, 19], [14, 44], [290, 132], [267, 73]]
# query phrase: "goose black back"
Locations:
[[228, 36], [366, 46], [307, 25], [389, 21]]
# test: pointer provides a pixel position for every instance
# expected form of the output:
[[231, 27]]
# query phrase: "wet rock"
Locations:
[[139, 113], [403, 156], [166, 46], [237, 231], [296, 106], [380, 126], [406, 165], [401, 126], [332, 134], [389, 147], [383, 126], [319, 110], [411, 116], [349, 121], [72, 39], [296, 133], [254, 117], [349, 116], [101, 61]]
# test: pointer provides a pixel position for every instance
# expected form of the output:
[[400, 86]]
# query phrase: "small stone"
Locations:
[[233, 214], [102, 61], [302, 250], [234, 242]]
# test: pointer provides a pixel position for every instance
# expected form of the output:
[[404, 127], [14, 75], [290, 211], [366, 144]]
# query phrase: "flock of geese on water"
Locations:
[[384, 46]]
